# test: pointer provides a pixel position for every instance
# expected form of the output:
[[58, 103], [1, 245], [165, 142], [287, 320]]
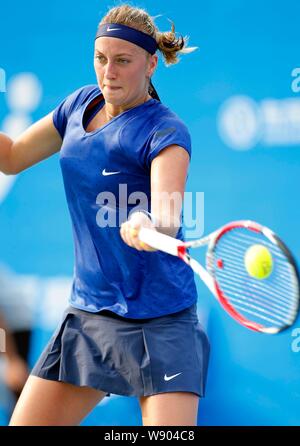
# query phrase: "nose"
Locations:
[[110, 70]]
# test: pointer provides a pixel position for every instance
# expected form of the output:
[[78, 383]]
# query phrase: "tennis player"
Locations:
[[132, 327]]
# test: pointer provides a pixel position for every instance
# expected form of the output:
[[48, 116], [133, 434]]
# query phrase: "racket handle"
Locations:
[[160, 241]]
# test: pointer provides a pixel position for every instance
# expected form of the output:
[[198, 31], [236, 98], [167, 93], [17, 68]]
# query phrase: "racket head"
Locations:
[[269, 305]]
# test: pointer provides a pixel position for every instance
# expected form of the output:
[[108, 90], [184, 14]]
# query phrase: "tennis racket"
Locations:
[[267, 305]]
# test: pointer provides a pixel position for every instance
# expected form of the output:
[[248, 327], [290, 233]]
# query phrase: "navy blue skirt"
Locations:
[[131, 357]]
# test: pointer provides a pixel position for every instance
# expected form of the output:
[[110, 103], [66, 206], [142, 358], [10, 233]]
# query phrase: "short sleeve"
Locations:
[[170, 131], [64, 110]]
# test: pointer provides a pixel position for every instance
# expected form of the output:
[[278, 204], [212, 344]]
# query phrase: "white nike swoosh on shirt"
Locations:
[[167, 378], [109, 173]]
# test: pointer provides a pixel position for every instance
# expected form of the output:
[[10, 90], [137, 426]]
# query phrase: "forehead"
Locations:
[[114, 45]]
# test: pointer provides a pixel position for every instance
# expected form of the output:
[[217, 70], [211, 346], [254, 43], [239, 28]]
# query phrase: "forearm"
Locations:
[[6, 144], [166, 209], [36, 143], [168, 223], [168, 179]]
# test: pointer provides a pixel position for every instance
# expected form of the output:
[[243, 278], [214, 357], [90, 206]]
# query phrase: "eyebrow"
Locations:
[[116, 55]]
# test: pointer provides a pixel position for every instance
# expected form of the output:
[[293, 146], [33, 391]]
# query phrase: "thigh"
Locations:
[[170, 409], [52, 403]]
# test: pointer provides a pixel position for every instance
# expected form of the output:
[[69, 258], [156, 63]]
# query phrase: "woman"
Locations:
[[132, 326]]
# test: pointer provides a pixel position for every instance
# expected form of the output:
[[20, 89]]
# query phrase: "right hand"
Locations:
[[130, 230]]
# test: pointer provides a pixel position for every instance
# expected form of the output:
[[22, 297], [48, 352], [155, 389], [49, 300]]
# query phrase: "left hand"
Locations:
[[130, 229]]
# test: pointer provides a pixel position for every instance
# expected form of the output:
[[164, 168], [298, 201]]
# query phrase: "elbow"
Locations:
[[6, 155], [9, 170], [11, 167], [6, 171], [15, 171]]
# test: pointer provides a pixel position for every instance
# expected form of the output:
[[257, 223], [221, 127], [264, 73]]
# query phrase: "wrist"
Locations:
[[149, 216]]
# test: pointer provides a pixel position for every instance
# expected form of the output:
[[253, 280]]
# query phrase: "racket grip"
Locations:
[[160, 241]]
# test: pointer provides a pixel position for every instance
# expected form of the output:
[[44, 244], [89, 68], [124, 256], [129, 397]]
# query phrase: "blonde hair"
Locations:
[[168, 43]]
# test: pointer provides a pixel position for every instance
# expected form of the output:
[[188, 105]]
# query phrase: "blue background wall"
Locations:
[[241, 103]]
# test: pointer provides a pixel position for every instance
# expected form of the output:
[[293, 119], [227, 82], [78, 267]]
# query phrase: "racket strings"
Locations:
[[272, 301], [281, 289], [279, 302], [254, 300], [237, 266], [251, 301]]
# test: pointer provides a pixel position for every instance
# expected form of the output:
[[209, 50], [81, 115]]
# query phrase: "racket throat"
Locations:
[[182, 254]]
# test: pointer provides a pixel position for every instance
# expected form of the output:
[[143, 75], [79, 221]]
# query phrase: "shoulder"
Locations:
[[152, 130], [73, 102], [162, 113], [81, 95], [155, 117], [165, 121]]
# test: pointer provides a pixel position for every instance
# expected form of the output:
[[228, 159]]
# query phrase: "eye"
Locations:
[[100, 58], [123, 61]]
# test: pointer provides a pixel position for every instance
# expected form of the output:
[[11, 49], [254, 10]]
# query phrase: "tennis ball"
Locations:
[[258, 261]]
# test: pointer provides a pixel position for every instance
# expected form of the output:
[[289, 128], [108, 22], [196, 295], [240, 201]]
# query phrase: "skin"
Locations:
[[45, 402], [122, 64], [16, 371], [51, 403]]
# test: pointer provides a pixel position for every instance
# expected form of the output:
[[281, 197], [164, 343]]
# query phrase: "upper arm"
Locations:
[[37, 143], [168, 177]]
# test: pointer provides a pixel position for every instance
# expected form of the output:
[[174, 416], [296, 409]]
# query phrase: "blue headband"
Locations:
[[126, 33]]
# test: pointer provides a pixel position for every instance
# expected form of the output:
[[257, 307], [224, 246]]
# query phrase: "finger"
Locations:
[[124, 234], [134, 238], [129, 235], [146, 247], [133, 232], [142, 244]]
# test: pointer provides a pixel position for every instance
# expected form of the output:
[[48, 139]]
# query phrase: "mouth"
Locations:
[[109, 87]]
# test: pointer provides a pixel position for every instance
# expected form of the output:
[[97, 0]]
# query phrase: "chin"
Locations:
[[113, 99]]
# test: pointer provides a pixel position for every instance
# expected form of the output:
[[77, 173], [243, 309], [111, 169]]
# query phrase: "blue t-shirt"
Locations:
[[105, 172]]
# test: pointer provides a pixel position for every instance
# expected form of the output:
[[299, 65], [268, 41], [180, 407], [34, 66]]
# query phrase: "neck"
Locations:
[[111, 111]]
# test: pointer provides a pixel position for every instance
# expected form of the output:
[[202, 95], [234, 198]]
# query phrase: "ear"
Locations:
[[153, 60]]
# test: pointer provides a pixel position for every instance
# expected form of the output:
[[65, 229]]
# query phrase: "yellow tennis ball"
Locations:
[[258, 261]]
